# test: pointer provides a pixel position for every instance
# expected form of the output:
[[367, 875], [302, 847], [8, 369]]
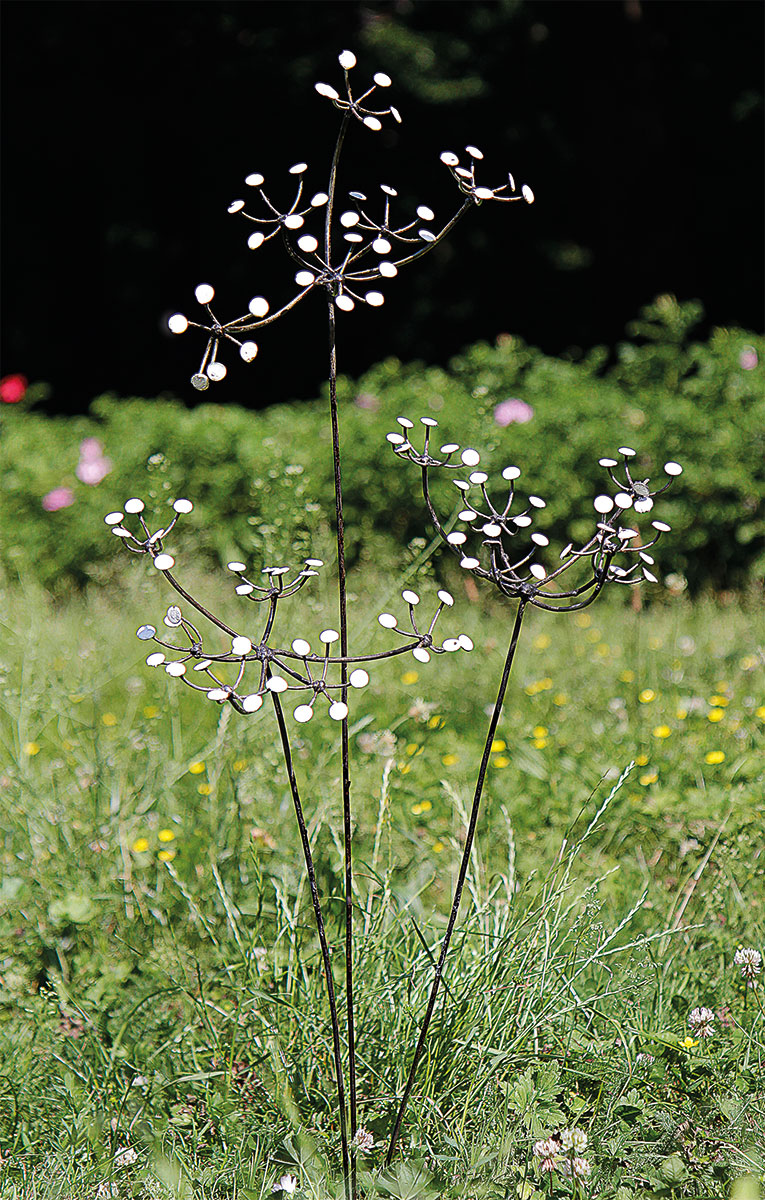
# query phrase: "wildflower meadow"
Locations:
[[382, 777]]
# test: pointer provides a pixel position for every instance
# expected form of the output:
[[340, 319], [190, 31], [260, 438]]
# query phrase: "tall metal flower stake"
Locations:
[[348, 259]]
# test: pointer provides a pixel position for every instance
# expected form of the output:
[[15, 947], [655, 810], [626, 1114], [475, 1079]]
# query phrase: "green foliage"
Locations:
[[177, 1007], [263, 488]]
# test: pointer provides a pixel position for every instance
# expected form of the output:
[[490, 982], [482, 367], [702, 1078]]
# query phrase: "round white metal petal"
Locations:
[[155, 660], [301, 646], [538, 571], [540, 540], [328, 636], [177, 323], [319, 199], [298, 168], [623, 499], [511, 472], [248, 351], [410, 597], [204, 293], [358, 678], [474, 152], [277, 684], [349, 219], [405, 423], [388, 270], [252, 702], [203, 665], [451, 644], [649, 575], [324, 89], [603, 504], [627, 451], [303, 713], [527, 194], [456, 538], [244, 589], [607, 462], [491, 530], [113, 518], [372, 123], [236, 206], [338, 710], [145, 633], [163, 562], [255, 180], [293, 221], [673, 468], [522, 521], [478, 477], [425, 213], [308, 243], [470, 458], [465, 642], [241, 645], [255, 239], [258, 306], [387, 620], [183, 506], [304, 278], [446, 598], [347, 60], [537, 502], [469, 563], [421, 654], [382, 80], [134, 506], [176, 668], [661, 526], [450, 159], [237, 566], [216, 371], [344, 302], [381, 245], [482, 193], [644, 505], [375, 299]]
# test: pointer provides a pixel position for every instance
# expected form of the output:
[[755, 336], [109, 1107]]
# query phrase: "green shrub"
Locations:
[[262, 482]]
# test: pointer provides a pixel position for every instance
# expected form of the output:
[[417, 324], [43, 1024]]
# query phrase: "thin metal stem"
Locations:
[[461, 877], [343, 621], [320, 930]]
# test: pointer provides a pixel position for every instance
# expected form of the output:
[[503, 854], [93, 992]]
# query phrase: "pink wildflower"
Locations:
[[60, 497], [747, 359], [13, 388], [513, 412], [93, 466]]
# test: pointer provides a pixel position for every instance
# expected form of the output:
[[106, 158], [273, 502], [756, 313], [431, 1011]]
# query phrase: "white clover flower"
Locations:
[[573, 1139], [547, 1148], [125, 1157], [749, 961], [701, 1022], [288, 1184], [363, 1140]]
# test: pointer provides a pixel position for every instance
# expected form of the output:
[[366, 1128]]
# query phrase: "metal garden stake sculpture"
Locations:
[[347, 259]]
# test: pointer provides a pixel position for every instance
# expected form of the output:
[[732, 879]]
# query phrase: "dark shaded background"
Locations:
[[130, 126]]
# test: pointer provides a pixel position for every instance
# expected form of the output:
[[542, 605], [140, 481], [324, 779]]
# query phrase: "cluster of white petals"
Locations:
[[498, 541]]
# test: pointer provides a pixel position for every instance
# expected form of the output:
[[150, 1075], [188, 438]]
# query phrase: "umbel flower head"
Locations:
[[220, 674], [349, 257], [498, 542]]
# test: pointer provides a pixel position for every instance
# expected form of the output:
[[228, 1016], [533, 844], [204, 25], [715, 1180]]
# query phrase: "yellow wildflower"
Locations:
[[559, 699], [497, 746], [204, 789], [450, 759], [641, 760], [501, 760], [166, 855], [196, 768], [688, 1043], [719, 701], [649, 778], [109, 720], [627, 676], [31, 748], [151, 711], [239, 764], [647, 695], [715, 714], [662, 731], [713, 757], [166, 835], [542, 641], [409, 677], [140, 845]]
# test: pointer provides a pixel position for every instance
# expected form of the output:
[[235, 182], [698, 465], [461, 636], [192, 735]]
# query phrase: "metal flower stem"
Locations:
[[343, 622], [460, 878], [310, 869]]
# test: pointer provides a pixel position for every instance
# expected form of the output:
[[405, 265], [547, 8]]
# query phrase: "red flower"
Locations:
[[13, 388]]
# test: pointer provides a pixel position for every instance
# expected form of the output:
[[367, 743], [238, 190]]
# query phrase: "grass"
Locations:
[[161, 985]]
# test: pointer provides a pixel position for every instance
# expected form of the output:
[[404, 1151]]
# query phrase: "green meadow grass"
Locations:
[[161, 985]]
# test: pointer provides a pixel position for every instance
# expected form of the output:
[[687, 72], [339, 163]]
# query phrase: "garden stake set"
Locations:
[[350, 259]]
